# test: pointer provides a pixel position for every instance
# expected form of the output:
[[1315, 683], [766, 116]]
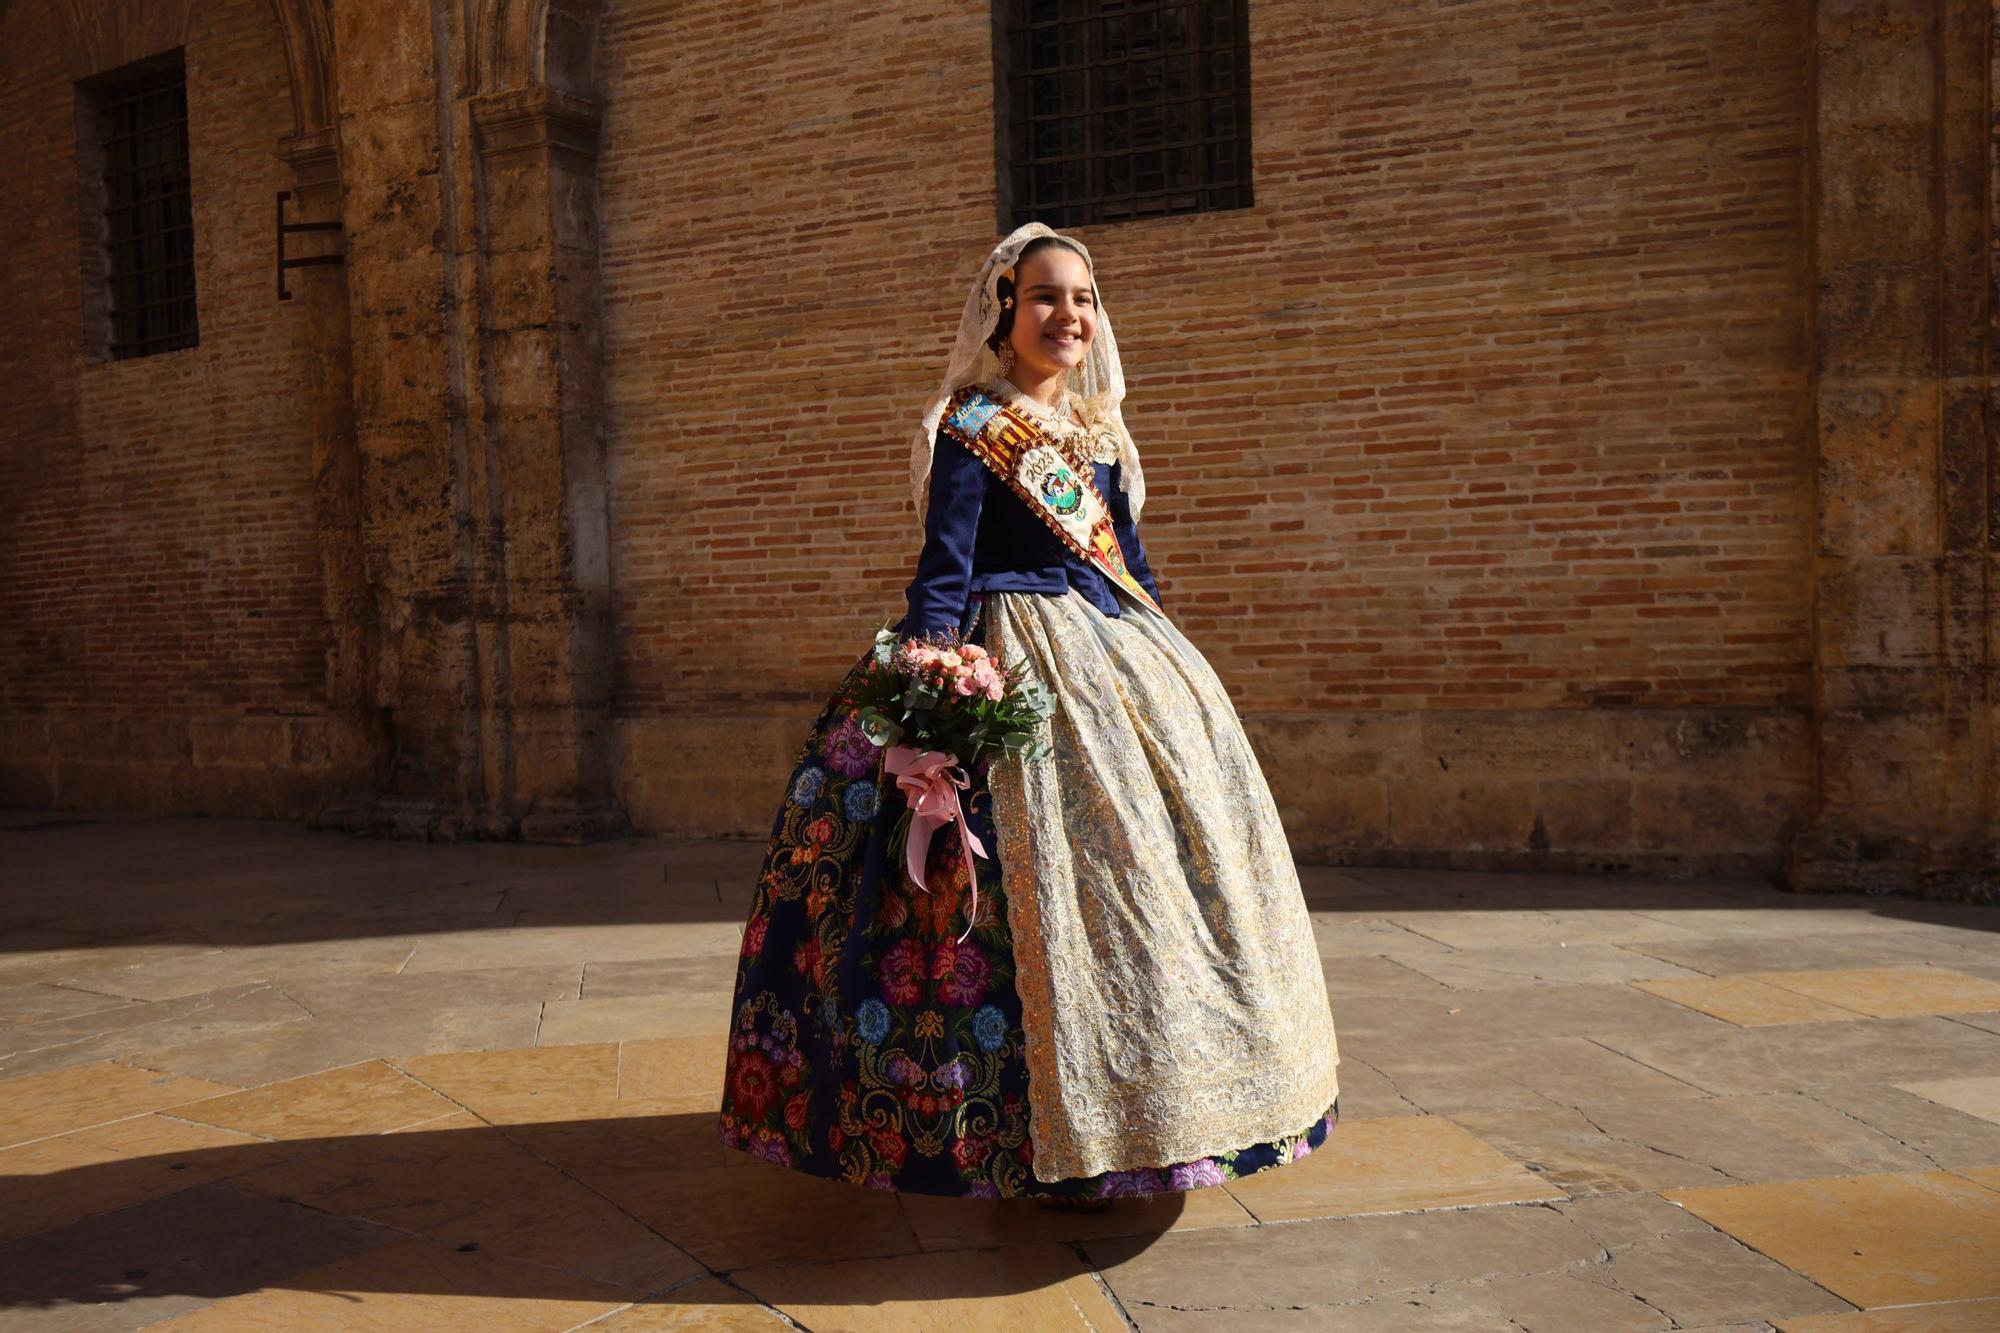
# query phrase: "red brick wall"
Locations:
[[156, 533], [1494, 401]]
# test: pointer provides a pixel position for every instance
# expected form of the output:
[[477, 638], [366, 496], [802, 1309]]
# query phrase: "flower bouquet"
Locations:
[[936, 707]]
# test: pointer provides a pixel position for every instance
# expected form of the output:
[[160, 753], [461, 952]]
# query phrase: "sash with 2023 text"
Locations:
[[1029, 458]]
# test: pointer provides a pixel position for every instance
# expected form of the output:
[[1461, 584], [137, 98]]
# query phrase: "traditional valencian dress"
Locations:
[[1138, 1006]]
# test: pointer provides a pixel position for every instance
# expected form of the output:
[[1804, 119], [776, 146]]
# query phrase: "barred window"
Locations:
[[146, 260], [1116, 109]]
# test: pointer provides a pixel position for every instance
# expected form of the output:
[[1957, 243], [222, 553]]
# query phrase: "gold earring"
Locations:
[[1006, 357]]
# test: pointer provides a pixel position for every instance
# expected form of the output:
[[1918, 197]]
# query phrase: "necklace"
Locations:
[[1060, 418], [1093, 439]]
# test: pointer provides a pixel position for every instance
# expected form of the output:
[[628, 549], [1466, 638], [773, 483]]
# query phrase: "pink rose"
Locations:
[[963, 685]]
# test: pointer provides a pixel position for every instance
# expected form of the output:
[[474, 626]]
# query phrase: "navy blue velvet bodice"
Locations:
[[981, 537]]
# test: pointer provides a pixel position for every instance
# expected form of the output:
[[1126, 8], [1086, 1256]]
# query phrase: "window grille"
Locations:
[[148, 239], [1117, 109]]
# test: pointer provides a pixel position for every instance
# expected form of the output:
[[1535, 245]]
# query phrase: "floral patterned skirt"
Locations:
[[870, 1043]]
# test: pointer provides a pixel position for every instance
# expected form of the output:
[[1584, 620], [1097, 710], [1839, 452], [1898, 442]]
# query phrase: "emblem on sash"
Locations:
[[1035, 467]]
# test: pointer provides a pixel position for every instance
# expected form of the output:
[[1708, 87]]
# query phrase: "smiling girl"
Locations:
[[1138, 1007]]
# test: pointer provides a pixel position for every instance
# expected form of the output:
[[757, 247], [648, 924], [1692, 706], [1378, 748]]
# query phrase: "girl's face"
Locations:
[[1055, 313]]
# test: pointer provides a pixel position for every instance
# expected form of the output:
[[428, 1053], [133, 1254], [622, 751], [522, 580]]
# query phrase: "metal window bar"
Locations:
[[148, 212], [1125, 108]]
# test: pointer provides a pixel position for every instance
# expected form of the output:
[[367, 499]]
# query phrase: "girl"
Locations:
[[1138, 1006]]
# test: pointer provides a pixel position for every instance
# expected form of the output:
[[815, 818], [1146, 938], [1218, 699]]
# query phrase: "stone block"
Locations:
[[1877, 318], [1711, 744], [385, 56], [1694, 818], [1469, 814], [1587, 815], [1878, 611], [1478, 747], [1878, 457]]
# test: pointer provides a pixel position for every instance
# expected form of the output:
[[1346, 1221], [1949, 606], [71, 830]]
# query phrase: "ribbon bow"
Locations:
[[931, 781]]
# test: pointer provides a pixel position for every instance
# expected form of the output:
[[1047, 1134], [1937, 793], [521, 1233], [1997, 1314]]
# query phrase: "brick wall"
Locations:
[[1477, 450], [161, 633]]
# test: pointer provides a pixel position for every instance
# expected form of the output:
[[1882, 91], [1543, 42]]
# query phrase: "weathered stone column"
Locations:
[[543, 432], [1903, 212], [471, 279], [349, 746]]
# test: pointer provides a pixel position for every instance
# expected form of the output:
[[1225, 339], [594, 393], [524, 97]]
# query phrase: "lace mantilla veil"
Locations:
[[1098, 383]]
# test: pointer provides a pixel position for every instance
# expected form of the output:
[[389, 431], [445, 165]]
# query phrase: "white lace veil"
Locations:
[[1098, 383]]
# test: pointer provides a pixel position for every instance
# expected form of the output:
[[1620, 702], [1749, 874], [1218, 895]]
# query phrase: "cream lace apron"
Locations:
[[1170, 987]]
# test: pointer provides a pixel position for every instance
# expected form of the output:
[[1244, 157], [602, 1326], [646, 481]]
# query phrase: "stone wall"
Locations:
[[1560, 462]]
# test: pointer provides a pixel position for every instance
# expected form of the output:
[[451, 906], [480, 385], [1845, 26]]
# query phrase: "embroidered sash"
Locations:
[[1037, 468]]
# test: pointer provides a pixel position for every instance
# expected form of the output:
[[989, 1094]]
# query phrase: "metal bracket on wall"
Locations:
[[302, 261]]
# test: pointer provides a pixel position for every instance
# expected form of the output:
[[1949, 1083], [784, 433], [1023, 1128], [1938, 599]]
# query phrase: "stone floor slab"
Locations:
[[1327, 1267], [136, 1266], [1535, 1075], [1576, 1157], [1803, 1055], [627, 1134], [736, 1217], [1892, 992], [336, 1038], [368, 1098], [1539, 965], [1612, 1147], [1513, 927], [1399, 1164], [1943, 1136], [1518, 1013], [40, 1001], [675, 1070], [133, 1032], [1367, 1094], [1747, 1001], [957, 1224], [521, 1085], [693, 1014], [45, 1104], [1950, 1317], [412, 1286], [413, 1179], [1706, 1278], [51, 1183], [1350, 934], [1358, 977], [1975, 1096], [657, 976], [707, 1306], [1750, 951], [214, 969], [562, 1224], [586, 944], [1039, 1287], [1874, 1240]]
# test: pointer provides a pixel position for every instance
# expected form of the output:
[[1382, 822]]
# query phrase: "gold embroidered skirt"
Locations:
[[1171, 992]]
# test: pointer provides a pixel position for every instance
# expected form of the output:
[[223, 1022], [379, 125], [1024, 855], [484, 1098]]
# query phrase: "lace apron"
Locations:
[[1171, 991]]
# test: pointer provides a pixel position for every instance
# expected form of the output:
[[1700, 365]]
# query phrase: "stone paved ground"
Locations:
[[257, 1078]]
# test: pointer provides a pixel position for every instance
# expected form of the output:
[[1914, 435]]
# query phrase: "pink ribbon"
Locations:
[[930, 780]]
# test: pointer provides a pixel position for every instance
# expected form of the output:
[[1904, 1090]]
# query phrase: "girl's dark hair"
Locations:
[[1005, 288]]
